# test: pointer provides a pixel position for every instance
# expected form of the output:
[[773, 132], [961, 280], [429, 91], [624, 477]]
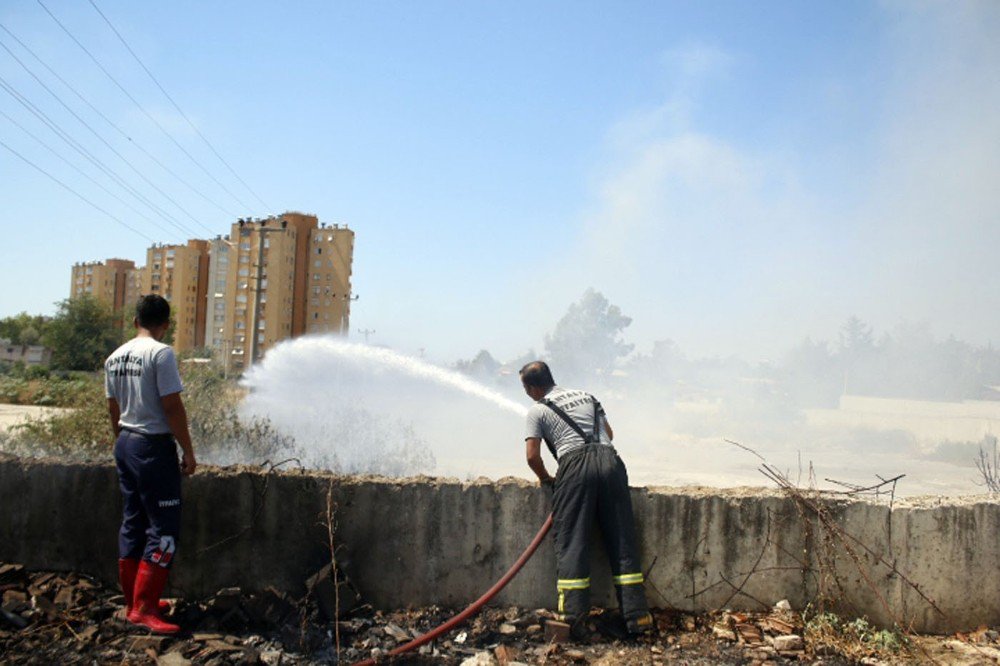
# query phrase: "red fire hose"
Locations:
[[477, 604]]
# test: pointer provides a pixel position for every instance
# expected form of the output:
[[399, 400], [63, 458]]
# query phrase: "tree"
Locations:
[[82, 334], [14, 328], [29, 336], [482, 367], [812, 375], [856, 339], [587, 340]]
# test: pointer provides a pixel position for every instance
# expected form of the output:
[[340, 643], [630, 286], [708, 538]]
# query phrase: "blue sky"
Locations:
[[736, 176]]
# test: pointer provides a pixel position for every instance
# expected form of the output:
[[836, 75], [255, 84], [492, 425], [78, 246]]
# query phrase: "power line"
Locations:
[[102, 139], [77, 169], [75, 145], [114, 125], [141, 107], [77, 194], [167, 95]]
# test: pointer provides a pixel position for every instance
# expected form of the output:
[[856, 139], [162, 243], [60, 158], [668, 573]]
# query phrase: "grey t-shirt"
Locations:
[[137, 375], [544, 423]]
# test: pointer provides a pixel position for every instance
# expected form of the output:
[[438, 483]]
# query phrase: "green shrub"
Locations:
[[83, 430], [855, 639]]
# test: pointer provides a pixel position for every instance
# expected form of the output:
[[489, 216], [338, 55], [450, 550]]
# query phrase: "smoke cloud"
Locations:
[[731, 246]]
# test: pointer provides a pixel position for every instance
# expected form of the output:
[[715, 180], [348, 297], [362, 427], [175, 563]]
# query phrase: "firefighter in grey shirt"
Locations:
[[590, 484], [143, 388]]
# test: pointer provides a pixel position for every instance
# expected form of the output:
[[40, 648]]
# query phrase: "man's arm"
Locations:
[[176, 415], [533, 446], [115, 412], [607, 429]]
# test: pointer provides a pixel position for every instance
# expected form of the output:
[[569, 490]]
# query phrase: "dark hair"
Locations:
[[537, 374], [152, 310]]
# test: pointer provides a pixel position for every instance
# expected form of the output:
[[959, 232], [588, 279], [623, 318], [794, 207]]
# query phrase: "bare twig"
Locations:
[[258, 506], [738, 590], [330, 527], [650, 583], [745, 448], [753, 569], [811, 507], [988, 465], [855, 489]]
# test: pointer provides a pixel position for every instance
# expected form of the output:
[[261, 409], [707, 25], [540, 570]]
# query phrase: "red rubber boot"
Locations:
[[149, 582], [127, 569]]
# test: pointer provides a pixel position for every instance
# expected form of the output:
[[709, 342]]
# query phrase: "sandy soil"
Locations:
[[11, 415]]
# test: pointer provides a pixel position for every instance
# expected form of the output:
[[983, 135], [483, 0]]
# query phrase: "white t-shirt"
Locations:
[[545, 424], [137, 375]]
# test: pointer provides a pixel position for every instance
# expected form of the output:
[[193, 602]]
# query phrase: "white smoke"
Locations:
[[356, 408]]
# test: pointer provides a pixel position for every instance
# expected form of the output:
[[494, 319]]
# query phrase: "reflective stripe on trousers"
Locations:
[[629, 579]]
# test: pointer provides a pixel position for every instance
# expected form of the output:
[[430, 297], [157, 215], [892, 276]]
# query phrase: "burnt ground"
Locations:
[[67, 618]]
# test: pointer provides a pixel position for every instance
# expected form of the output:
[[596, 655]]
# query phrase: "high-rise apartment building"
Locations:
[[109, 281], [179, 273], [288, 275], [268, 280], [219, 252], [328, 308]]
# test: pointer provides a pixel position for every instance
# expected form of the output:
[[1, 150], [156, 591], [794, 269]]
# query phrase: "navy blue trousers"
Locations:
[[150, 479]]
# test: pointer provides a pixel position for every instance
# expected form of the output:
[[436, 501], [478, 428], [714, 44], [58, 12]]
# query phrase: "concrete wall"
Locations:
[[433, 541]]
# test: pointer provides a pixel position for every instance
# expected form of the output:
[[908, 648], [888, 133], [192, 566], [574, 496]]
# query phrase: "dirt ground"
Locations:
[[11, 415]]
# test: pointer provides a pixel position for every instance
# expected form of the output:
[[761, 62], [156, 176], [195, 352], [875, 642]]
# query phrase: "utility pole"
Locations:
[[262, 230], [366, 332]]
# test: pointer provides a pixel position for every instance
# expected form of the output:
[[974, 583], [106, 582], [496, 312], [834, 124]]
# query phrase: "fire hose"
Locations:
[[474, 607]]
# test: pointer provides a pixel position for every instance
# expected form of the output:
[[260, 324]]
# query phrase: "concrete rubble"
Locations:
[[68, 618]]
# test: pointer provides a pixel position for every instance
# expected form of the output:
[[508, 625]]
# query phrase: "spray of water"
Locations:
[[356, 408]]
